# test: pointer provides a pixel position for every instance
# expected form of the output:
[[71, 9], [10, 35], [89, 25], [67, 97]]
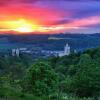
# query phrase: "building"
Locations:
[[15, 52], [65, 52]]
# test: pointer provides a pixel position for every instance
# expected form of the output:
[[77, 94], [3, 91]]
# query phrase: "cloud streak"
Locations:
[[53, 15], [19, 1]]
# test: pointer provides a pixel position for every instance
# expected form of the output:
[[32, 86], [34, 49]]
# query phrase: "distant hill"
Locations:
[[4, 40], [55, 41]]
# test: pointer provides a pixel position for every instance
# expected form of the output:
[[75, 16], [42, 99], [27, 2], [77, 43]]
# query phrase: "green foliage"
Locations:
[[86, 81], [41, 79], [8, 93], [73, 77], [66, 86], [82, 78]]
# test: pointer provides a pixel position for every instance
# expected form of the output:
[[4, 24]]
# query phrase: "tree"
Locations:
[[86, 81], [41, 79]]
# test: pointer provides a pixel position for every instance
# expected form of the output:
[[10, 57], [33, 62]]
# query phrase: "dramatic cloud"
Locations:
[[50, 15]]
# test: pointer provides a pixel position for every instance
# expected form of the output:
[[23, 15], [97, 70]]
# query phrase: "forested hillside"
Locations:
[[73, 77], [50, 41]]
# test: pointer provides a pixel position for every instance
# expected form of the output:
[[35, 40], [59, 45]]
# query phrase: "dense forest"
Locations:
[[73, 77]]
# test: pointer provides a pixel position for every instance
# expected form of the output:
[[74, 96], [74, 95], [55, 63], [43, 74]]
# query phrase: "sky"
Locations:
[[50, 16]]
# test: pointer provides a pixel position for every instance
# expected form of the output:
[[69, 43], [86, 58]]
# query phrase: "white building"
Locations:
[[66, 51], [15, 52]]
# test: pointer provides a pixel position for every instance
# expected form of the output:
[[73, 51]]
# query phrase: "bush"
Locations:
[[41, 79]]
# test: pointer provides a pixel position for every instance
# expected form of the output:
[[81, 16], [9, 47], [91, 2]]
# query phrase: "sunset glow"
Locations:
[[49, 16], [23, 26], [24, 29]]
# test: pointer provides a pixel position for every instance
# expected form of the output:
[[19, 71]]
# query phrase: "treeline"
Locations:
[[73, 77]]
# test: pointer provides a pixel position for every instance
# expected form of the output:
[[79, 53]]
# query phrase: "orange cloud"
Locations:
[[21, 16], [29, 18]]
